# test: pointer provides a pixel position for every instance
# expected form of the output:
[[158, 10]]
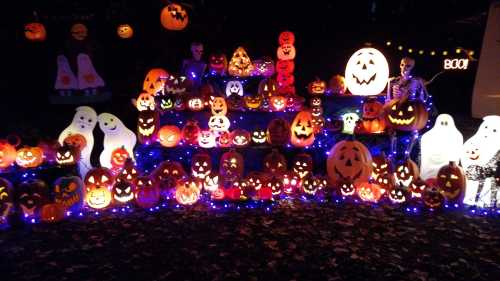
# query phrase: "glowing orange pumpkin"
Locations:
[[169, 136], [154, 81], [7, 154], [302, 129], [369, 192], [174, 17], [29, 157], [125, 31], [35, 31], [52, 212], [79, 31], [187, 192]]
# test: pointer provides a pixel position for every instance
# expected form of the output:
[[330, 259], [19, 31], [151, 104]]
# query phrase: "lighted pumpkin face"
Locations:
[[147, 193], [99, 177], [129, 172], [218, 106], [381, 166], [145, 101], [315, 102], [224, 139], [169, 170], [317, 87], [29, 157], [123, 191], [211, 182], [231, 165], [35, 31], [286, 52], [275, 162], [240, 137], [318, 124], [98, 197], [234, 88], [118, 157], [417, 188], [67, 155], [349, 159], [302, 130], [432, 197], [369, 192], [201, 165], [310, 185], [165, 102], [255, 181], [406, 172], [268, 87], [337, 85], [259, 136], [346, 186], [285, 79], [264, 67], [278, 103], [302, 165], [285, 66], [291, 183], [236, 190], [179, 104], [76, 140], [147, 126], [6, 197], [406, 115], [373, 117], [196, 104], [79, 31], [286, 37], [69, 193], [240, 64], [451, 181], [169, 136], [31, 195], [219, 123], [125, 31], [218, 63], [8, 154], [398, 195], [253, 102], [317, 111], [187, 192], [366, 72], [174, 17], [278, 132], [155, 80], [275, 184], [190, 132], [206, 139], [177, 85]]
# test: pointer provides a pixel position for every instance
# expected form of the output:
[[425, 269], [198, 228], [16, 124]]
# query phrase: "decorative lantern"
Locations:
[[147, 193], [174, 17], [406, 115], [286, 52], [155, 81], [451, 181], [187, 192], [190, 132], [201, 165], [366, 72], [218, 63], [317, 87]]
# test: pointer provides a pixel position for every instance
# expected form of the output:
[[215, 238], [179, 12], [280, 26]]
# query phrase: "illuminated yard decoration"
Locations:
[[455, 64], [174, 17], [366, 72]]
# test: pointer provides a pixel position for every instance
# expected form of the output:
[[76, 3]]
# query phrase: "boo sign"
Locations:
[[455, 64]]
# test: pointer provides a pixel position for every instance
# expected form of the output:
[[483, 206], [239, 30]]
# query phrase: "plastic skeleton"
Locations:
[[481, 173], [406, 85]]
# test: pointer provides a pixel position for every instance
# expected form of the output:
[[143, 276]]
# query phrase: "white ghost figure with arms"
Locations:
[[116, 135], [439, 146], [83, 123], [87, 75]]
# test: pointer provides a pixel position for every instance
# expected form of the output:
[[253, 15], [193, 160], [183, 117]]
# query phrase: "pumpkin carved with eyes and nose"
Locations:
[[219, 123], [129, 171], [432, 197], [406, 115], [69, 192], [268, 87], [286, 52], [35, 31], [259, 136], [417, 188], [187, 192], [174, 17], [98, 183], [231, 166], [154, 82], [253, 102], [123, 191], [406, 172], [366, 72], [145, 101], [201, 165], [169, 136], [218, 106], [177, 85], [148, 123], [316, 87], [346, 186], [451, 181], [207, 139], [125, 31], [373, 120], [302, 129], [369, 191], [31, 195], [29, 157], [217, 63], [147, 192], [168, 173], [241, 138], [302, 165], [190, 132], [349, 159], [398, 194], [118, 158]]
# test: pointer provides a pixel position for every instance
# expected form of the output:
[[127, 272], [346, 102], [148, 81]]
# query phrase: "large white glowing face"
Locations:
[[349, 120], [366, 72]]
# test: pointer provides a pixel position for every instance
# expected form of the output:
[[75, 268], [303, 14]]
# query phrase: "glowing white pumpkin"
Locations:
[[366, 72]]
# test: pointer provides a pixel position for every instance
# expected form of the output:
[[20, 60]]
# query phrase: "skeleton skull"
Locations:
[[406, 66]]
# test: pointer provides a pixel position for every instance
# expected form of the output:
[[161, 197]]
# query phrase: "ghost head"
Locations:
[[110, 124], [85, 118], [406, 66], [234, 88], [350, 120], [197, 50], [482, 146]]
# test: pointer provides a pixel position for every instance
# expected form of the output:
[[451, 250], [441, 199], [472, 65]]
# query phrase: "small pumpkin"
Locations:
[[224, 139], [155, 80], [217, 63], [125, 31], [286, 52], [35, 31], [259, 136], [29, 157], [53, 212], [187, 192], [169, 136], [253, 102], [398, 195], [373, 120], [317, 87], [76, 140], [8, 154], [241, 138], [174, 17], [275, 162], [123, 191], [369, 191], [432, 197]]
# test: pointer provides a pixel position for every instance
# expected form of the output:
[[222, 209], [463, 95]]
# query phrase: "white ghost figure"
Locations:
[[66, 79], [87, 75], [234, 88], [83, 123], [116, 135], [481, 152], [439, 146], [349, 120]]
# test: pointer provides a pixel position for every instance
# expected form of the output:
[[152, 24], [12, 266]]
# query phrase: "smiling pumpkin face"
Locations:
[[201, 165], [349, 160], [154, 82], [302, 129], [147, 125], [302, 165], [406, 115], [218, 106], [406, 172], [218, 63], [29, 157], [125, 31], [366, 72]]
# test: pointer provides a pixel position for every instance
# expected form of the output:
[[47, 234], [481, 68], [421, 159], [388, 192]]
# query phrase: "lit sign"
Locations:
[[460, 64]]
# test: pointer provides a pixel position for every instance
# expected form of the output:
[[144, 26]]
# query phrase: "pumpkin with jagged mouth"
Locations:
[[69, 192], [240, 137], [147, 123], [302, 165], [406, 172], [123, 191], [417, 188], [31, 195], [129, 172], [67, 155], [259, 136], [176, 85], [406, 115], [166, 103], [201, 165], [346, 187], [398, 195]]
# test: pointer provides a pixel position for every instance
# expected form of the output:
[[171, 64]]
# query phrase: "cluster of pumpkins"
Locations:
[[36, 32]]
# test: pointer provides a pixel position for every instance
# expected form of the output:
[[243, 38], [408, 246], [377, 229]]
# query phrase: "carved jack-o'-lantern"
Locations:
[[302, 130], [406, 172], [31, 195], [217, 63], [310, 185], [165, 102], [190, 132], [286, 52], [177, 85], [253, 102], [8, 154], [145, 101], [451, 181], [417, 188], [346, 186], [201, 165], [118, 158], [35, 31], [278, 132], [406, 115], [231, 165], [129, 172], [125, 31], [79, 31], [337, 85], [224, 139], [285, 66], [349, 160], [154, 81], [275, 184], [235, 103], [98, 196], [302, 165], [196, 103], [268, 87], [432, 197], [218, 106], [99, 177], [316, 111], [398, 194], [286, 37], [211, 182], [285, 79], [240, 64], [318, 124], [275, 162], [291, 183], [187, 192], [373, 120], [278, 103], [264, 67], [240, 137], [259, 136], [69, 192], [67, 155], [172, 171], [123, 191], [219, 123], [381, 166], [169, 136], [76, 140], [366, 72], [369, 192], [29, 157], [206, 139], [6, 200], [174, 17], [148, 122], [147, 192], [315, 102], [317, 87]]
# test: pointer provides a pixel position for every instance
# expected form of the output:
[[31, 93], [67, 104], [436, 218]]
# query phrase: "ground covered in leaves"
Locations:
[[294, 241]]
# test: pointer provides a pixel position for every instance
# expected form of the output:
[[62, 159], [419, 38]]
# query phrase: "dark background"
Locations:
[[327, 33]]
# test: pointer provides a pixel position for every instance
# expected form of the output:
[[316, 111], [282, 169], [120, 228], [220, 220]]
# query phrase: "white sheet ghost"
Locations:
[[115, 135], [66, 79], [83, 123], [349, 120], [439, 146], [87, 75]]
